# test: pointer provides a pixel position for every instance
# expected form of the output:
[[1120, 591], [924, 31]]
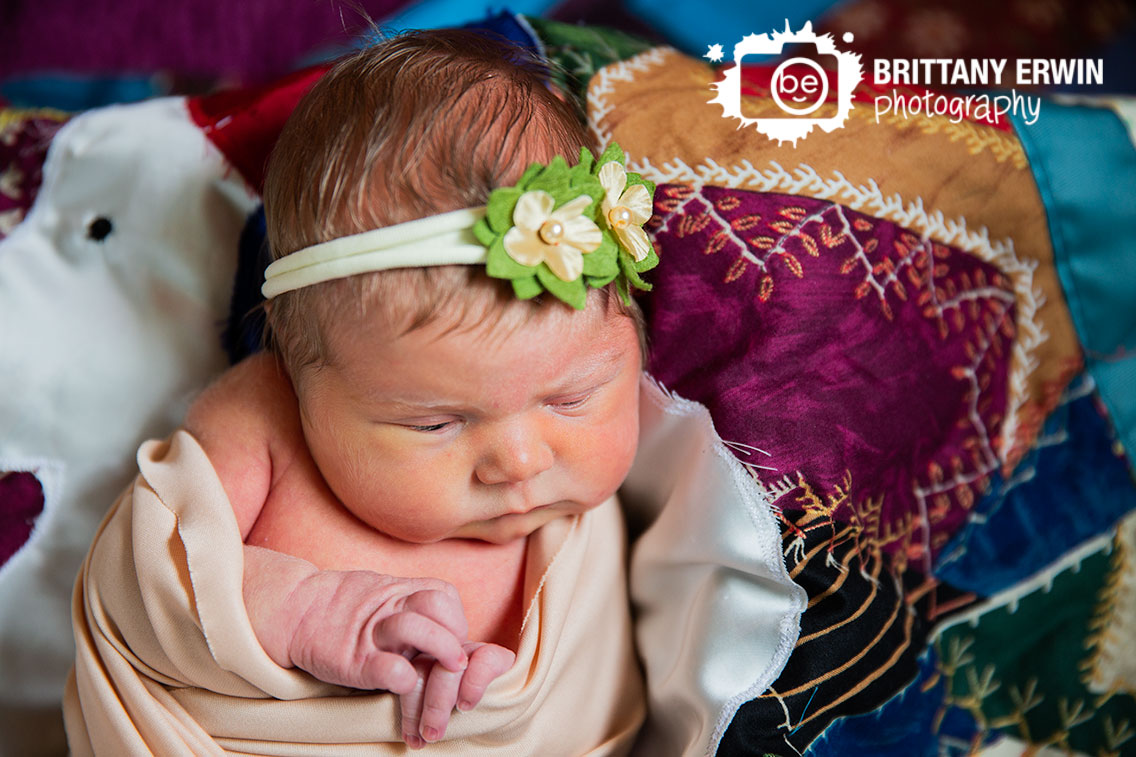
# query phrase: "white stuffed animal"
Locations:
[[113, 290]]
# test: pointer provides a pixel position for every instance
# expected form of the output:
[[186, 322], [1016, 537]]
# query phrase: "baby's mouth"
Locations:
[[518, 501], [523, 510], [510, 526]]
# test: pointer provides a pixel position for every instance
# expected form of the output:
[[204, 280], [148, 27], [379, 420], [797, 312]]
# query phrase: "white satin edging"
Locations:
[[717, 614]]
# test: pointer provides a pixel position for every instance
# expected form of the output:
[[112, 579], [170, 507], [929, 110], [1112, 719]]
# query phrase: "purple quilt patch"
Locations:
[[21, 502], [871, 364]]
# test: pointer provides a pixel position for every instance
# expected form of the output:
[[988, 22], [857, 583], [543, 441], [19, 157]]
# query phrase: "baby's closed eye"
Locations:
[[571, 402], [431, 427]]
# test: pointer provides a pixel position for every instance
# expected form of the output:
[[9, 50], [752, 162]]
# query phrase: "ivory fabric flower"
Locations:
[[626, 209], [565, 251], [558, 238]]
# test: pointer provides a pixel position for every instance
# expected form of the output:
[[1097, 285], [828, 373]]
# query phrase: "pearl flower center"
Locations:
[[551, 232], [619, 216]]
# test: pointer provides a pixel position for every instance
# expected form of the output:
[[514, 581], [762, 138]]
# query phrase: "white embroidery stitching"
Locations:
[[603, 84]]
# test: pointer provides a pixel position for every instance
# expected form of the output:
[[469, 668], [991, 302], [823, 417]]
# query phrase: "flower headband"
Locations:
[[559, 230]]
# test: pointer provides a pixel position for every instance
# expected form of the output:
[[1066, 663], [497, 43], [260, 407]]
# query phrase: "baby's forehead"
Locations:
[[478, 323], [481, 330], [489, 365]]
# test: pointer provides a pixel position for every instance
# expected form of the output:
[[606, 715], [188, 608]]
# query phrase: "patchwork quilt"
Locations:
[[916, 337], [880, 324]]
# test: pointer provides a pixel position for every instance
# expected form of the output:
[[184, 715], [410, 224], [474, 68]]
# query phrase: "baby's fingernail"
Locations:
[[431, 734], [413, 741], [465, 705]]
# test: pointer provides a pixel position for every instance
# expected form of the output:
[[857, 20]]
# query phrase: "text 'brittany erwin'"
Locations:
[[986, 72]]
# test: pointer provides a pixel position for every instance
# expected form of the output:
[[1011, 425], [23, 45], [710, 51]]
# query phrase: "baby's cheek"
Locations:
[[416, 500], [626, 435], [609, 454], [627, 447]]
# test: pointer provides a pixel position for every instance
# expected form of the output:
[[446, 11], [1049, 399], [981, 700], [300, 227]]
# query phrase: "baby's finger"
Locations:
[[409, 633], [410, 704], [443, 608], [486, 662], [386, 670], [438, 703]]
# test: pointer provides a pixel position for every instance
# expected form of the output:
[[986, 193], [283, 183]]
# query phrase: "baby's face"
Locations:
[[481, 434]]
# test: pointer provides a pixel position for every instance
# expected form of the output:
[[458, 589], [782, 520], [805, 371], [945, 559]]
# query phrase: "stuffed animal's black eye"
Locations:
[[100, 229]]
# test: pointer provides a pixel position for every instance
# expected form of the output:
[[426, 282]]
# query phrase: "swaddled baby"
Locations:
[[450, 404]]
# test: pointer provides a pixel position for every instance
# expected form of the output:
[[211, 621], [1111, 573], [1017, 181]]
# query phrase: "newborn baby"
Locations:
[[419, 420]]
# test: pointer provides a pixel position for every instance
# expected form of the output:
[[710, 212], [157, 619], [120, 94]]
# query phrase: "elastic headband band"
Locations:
[[444, 239], [560, 229]]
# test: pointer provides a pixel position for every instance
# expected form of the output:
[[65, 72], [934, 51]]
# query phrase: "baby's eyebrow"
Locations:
[[583, 381], [601, 370], [417, 406]]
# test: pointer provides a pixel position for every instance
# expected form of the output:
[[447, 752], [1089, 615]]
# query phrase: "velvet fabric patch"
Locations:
[[869, 363], [21, 502]]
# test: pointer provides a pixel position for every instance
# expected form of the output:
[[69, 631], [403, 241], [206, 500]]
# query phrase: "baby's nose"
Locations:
[[516, 453]]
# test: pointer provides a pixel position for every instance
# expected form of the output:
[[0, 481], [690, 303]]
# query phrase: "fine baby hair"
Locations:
[[417, 125]]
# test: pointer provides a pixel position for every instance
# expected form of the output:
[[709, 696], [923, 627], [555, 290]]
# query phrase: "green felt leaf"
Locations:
[[526, 288], [527, 176], [590, 186], [627, 263], [621, 287], [566, 184], [572, 292], [557, 185], [499, 210], [598, 282], [557, 164], [578, 176], [603, 260], [648, 262], [500, 265], [577, 172], [634, 178], [613, 152], [581, 173], [586, 160], [484, 234]]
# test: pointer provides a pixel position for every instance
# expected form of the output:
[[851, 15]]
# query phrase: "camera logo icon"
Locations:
[[800, 85], [794, 81]]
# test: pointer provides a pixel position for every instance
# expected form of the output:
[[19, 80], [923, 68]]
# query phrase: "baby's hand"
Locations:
[[426, 710], [371, 631], [361, 629]]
